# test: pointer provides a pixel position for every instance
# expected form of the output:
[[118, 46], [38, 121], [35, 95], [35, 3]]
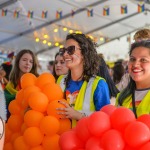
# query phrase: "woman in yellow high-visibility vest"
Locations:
[[84, 91], [136, 95]]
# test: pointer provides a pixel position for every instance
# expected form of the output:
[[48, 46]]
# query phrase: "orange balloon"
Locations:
[[8, 146], [19, 144], [14, 107], [33, 118], [29, 90], [15, 122], [49, 125], [23, 128], [15, 136], [44, 79], [51, 142], [38, 101], [53, 91], [37, 148], [51, 108], [33, 136], [8, 133], [19, 96], [65, 125], [28, 79]]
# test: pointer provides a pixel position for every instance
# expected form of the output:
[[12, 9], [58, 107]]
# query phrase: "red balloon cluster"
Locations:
[[111, 128], [34, 123]]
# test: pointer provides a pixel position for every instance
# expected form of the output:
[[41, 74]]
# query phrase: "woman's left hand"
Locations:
[[69, 112]]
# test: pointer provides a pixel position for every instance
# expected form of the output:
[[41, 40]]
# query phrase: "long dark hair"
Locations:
[[129, 90], [118, 72], [54, 72], [90, 56], [15, 72], [103, 72]]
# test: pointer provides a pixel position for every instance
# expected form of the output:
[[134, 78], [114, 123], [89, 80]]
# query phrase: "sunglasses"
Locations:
[[70, 50]]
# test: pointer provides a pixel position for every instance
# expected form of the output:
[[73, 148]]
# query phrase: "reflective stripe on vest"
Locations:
[[143, 107], [84, 102]]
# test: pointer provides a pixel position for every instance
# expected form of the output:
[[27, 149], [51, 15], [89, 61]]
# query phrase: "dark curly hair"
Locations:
[[90, 56]]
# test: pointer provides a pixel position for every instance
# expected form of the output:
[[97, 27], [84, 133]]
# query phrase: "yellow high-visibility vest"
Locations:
[[142, 108], [84, 102]]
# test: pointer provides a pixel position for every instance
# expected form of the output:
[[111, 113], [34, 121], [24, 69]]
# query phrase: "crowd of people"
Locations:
[[84, 77]]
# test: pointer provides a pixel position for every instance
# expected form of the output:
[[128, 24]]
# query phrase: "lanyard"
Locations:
[[133, 104]]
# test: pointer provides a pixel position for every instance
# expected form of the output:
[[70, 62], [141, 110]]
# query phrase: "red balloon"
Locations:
[[127, 147], [136, 134], [82, 129], [121, 117], [112, 140], [98, 123], [93, 143], [69, 141], [145, 119], [108, 109], [145, 146]]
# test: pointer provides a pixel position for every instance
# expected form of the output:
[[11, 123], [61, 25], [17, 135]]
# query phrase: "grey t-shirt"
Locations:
[[2, 104]]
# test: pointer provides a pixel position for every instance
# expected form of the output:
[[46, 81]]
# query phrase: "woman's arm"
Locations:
[[101, 95]]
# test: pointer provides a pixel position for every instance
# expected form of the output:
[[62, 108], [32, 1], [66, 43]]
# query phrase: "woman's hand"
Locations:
[[69, 112]]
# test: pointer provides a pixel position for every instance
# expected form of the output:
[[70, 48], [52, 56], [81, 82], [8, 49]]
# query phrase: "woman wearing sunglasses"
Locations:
[[84, 91]]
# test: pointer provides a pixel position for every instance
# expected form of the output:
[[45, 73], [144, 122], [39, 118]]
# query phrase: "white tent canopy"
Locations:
[[20, 32]]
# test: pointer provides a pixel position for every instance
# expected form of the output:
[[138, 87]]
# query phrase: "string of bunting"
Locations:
[[90, 11]]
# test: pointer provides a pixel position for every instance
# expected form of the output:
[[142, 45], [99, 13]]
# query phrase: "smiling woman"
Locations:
[[59, 66], [83, 89], [25, 62], [136, 95]]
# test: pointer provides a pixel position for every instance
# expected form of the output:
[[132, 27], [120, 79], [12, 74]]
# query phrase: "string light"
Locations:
[[101, 38], [56, 30], [49, 43], [45, 36], [44, 41], [65, 29], [37, 39], [70, 31], [56, 44], [61, 46], [95, 38]]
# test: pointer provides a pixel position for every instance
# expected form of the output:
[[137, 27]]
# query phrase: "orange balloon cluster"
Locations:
[[34, 123], [111, 128]]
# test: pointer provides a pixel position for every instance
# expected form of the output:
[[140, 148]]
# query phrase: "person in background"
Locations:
[[25, 62], [5, 70], [104, 73], [50, 66], [118, 73], [136, 95], [143, 34], [2, 117], [83, 89], [11, 57], [59, 66]]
